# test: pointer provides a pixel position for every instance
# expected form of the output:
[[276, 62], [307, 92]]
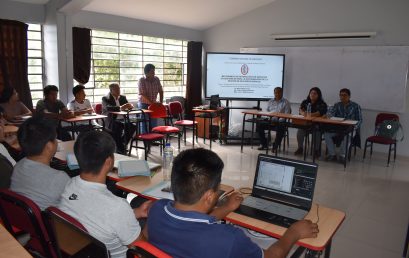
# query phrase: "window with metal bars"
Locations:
[[35, 61], [119, 57]]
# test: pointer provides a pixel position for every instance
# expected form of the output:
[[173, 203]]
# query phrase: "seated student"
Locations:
[[80, 106], [32, 176], [348, 110], [6, 162], [114, 101], [189, 226], [13, 108], [318, 108], [280, 105], [54, 108], [107, 217]]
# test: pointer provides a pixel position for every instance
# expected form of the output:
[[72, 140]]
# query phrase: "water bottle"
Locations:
[[309, 110], [167, 161]]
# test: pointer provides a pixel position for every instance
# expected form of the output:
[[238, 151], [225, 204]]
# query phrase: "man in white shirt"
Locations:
[[106, 217], [280, 105]]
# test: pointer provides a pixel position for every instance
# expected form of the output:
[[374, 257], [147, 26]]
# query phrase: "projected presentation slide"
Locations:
[[244, 76]]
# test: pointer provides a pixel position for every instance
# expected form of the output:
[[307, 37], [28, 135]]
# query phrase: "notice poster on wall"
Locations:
[[243, 76]]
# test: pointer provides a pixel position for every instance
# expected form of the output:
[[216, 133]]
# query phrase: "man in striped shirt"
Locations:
[[149, 88]]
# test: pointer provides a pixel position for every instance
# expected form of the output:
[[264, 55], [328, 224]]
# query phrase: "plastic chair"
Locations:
[[380, 139], [20, 212], [70, 238], [159, 112], [144, 249], [146, 138], [98, 108], [176, 110]]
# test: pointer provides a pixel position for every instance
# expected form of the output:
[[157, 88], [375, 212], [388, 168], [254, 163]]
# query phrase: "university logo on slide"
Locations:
[[244, 69]]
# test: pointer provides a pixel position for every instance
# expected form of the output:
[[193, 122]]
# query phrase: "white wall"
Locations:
[[388, 18]]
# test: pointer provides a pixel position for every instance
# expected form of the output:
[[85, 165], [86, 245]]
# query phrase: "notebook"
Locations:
[[282, 192], [135, 167]]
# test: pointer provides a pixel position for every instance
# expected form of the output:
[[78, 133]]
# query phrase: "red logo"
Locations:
[[244, 69]]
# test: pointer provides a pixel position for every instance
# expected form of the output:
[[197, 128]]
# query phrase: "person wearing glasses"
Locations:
[[344, 109]]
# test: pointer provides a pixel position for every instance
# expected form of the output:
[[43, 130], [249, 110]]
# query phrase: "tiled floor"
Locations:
[[374, 197]]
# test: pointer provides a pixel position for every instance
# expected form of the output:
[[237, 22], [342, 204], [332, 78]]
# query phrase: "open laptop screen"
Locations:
[[285, 180]]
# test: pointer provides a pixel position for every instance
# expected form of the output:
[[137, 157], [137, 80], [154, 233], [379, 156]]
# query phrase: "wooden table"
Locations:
[[329, 222], [139, 184], [214, 116], [68, 147], [127, 120], [10, 247], [306, 122], [329, 219], [83, 118]]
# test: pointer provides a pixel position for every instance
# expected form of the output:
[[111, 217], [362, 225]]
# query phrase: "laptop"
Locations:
[[282, 190]]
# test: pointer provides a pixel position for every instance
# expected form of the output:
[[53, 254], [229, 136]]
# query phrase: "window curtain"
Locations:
[[14, 60], [81, 44], [194, 76]]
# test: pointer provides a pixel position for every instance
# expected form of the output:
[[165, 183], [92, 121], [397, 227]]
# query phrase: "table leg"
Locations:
[[328, 249], [252, 131], [73, 130], [210, 130], [313, 143], [242, 133]]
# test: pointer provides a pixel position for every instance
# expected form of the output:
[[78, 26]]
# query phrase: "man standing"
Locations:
[[149, 88], [280, 105], [346, 109], [114, 101]]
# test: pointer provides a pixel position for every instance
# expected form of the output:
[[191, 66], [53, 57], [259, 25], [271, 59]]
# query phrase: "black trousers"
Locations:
[[262, 126], [122, 133]]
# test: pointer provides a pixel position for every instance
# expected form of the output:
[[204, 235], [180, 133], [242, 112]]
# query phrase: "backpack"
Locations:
[[389, 129]]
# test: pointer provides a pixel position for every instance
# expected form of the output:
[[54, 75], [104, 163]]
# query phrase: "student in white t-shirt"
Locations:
[[80, 105]]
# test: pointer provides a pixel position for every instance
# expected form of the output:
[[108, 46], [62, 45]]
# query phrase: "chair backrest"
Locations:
[[20, 212], [70, 238], [385, 116], [181, 99], [176, 109], [98, 108], [143, 249], [158, 111]]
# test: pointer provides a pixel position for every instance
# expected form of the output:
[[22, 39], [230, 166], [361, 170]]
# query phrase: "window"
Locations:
[[118, 57], [35, 61]]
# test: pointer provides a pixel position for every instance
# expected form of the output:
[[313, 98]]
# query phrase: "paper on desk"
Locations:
[[350, 122], [156, 191], [119, 157], [337, 118]]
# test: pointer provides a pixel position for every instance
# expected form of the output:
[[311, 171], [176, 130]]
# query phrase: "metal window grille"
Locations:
[[35, 61], [119, 57]]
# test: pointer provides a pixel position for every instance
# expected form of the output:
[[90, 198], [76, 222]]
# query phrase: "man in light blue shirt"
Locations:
[[280, 105], [346, 109]]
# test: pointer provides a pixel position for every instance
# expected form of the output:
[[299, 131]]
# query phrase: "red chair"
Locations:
[[70, 238], [146, 138], [144, 249], [98, 108], [380, 139], [176, 110], [159, 112], [20, 212]]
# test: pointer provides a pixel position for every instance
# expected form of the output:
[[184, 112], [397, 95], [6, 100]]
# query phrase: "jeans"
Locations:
[[154, 122], [331, 146]]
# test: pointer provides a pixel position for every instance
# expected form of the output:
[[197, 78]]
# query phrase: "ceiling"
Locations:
[[193, 14], [32, 1]]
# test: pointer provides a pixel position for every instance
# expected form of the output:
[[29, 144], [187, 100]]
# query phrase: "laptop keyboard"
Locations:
[[271, 212]]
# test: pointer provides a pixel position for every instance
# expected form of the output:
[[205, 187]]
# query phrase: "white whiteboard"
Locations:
[[376, 75]]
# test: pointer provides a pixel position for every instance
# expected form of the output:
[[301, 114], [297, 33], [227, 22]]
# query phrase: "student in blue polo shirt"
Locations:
[[190, 226]]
